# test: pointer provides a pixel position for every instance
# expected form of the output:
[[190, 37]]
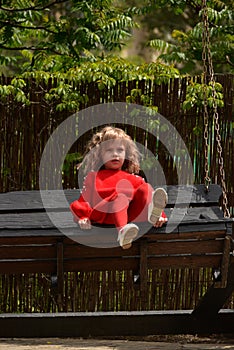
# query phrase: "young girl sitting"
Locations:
[[112, 192]]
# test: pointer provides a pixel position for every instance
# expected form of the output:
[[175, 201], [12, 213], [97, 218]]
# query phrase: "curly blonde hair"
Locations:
[[93, 159]]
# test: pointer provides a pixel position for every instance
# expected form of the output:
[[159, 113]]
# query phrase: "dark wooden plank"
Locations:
[[42, 239], [64, 220], [113, 324], [31, 200], [192, 261], [80, 251], [37, 220], [164, 248], [105, 264], [205, 214], [36, 251], [202, 227], [193, 194], [155, 253], [14, 237], [186, 247], [27, 201], [20, 200], [28, 266], [194, 235]]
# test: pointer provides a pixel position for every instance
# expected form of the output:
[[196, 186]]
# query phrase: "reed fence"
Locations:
[[25, 131], [105, 291]]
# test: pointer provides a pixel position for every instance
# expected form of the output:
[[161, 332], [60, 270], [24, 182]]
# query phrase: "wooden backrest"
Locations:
[[29, 241], [31, 201]]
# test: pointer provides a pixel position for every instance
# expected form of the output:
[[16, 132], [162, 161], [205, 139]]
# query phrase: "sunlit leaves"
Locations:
[[15, 90], [198, 94], [184, 48], [64, 31]]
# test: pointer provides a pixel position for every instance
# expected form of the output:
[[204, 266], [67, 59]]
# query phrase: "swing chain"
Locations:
[[207, 61], [205, 45]]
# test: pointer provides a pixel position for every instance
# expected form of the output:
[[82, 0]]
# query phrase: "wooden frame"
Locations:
[[30, 243]]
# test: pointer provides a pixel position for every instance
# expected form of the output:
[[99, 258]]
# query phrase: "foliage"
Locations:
[[59, 35], [56, 36], [15, 89], [184, 47], [74, 41], [65, 94], [68, 42], [197, 93], [71, 159]]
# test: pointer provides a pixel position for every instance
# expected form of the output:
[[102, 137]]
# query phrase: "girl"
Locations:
[[112, 192]]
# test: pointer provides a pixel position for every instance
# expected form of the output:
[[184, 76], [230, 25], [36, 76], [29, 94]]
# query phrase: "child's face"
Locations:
[[113, 154]]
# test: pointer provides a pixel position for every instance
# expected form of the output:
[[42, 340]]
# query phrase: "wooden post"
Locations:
[[143, 272], [225, 263], [60, 273]]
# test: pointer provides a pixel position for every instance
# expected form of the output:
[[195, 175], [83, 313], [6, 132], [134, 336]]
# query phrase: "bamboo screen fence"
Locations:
[[105, 291], [25, 130], [24, 133]]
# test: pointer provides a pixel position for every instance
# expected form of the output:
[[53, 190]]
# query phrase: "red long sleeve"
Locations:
[[81, 208], [102, 185]]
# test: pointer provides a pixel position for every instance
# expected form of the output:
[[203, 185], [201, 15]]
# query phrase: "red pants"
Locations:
[[121, 209]]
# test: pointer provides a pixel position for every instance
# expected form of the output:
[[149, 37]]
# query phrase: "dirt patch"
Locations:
[[165, 342]]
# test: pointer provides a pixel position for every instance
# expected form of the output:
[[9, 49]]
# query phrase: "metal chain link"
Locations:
[[208, 68], [204, 81]]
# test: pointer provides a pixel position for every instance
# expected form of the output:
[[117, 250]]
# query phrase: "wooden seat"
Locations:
[[197, 235]]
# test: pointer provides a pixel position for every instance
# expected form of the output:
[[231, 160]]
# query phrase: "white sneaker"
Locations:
[[127, 234], [158, 203]]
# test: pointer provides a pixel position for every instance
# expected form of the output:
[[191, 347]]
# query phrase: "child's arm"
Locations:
[[81, 208]]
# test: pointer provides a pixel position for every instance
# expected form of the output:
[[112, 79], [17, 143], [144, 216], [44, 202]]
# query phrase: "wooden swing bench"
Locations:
[[200, 237]]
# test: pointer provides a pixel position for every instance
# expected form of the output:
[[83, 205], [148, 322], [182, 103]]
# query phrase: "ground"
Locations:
[[180, 342]]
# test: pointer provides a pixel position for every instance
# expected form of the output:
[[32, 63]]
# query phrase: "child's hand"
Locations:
[[162, 220], [85, 224]]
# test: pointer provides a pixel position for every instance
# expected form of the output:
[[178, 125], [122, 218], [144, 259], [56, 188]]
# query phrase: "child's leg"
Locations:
[[116, 211], [113, 210], [158, 203], [127, 234], [138, 207], [119, 211]]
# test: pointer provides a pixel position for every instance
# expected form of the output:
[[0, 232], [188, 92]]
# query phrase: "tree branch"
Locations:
[[33, 48], [21, 48], [15, 25], [229, 61], [33, 8]]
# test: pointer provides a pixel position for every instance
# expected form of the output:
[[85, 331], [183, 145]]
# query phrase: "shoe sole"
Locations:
[[129, 236], [159, 201]]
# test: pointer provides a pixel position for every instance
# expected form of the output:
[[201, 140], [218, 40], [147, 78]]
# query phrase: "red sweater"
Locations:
[[104, 184]]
